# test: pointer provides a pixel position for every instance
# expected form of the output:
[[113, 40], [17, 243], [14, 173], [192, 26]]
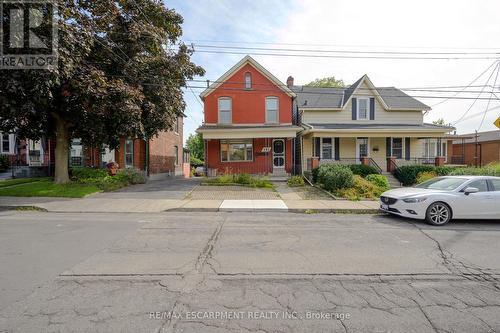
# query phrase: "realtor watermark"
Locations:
[[248, 315], [28, 34]]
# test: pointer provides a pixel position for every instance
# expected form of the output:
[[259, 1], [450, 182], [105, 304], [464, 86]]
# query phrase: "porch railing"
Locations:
[[416, 160], [457, 160], [343, 161]]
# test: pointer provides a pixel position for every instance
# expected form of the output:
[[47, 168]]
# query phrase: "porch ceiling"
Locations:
[[240, 132]]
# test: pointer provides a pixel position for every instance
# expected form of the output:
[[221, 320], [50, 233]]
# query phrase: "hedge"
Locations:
[[335, 176], [408, 174], [363, 170]]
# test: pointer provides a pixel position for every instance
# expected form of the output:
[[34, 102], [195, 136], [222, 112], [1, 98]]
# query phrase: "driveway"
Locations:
[[172, 188], [240, 272]]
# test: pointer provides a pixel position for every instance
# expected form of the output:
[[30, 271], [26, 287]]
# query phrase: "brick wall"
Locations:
[[487, 152], [162, 151]]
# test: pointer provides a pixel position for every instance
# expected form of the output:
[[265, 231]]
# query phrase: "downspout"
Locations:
[[147, 157]]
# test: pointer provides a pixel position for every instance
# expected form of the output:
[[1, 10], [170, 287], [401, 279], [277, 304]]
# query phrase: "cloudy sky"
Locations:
[[397, 26]]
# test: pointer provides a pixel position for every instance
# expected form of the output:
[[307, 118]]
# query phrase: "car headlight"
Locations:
[[414, 200]]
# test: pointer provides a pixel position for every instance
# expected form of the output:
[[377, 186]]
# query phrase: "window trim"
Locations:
[[248, 84], [321, 147], [403, 147], [277, 109], [228, 141], [11, 144], [367, 108], [125, 153], [230, 109]]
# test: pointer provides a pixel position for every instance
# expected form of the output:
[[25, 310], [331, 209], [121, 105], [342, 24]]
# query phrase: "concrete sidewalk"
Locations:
[[125, 205]]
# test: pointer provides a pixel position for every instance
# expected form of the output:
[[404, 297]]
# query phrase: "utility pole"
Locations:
[[475, 150]]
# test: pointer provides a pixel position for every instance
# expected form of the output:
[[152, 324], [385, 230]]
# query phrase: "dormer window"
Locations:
[[248, 81], [363, 104]]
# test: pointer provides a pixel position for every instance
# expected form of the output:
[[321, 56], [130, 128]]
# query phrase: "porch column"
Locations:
[[439, 161], [391, 164], [314, 163], [365, 160]]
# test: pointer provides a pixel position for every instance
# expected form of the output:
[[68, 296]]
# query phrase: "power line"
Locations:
[[342, 45], [489, 101], [341, 51], [474, 115], [477, 78], [477, 98], [342, 56]]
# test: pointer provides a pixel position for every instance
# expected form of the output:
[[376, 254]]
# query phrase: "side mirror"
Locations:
[[469, 190]]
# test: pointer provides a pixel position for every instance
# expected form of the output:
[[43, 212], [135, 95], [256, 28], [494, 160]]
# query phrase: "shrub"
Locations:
[[295, 181], [444, 170], [4, 163], [379, 180], [242, 179], [492, 169], [363, 170], [314, 174], [425, 176], [133, 176], [407, 174], [81, 174], [195, 162], [360, 189], [335, 176]]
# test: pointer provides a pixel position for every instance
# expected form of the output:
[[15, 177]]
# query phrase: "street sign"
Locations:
[[497, 122]]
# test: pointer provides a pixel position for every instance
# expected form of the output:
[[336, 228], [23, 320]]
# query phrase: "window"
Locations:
[[496, 184], [431, 148], [176, 155], [271, 109], [326, 148], [176, 125], [76, 153], [480, 184], [225, 110], [248, 81], [236, 150], [363, 108], [129, 153], [397, 147], [5, 143]]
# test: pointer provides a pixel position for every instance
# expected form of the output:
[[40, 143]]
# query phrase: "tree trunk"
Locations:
[[61, 175]]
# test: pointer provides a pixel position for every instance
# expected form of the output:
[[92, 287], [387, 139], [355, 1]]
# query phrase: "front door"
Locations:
[[362, 148], [278, 155]]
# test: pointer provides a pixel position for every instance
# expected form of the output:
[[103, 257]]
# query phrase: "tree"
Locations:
[[120, 73], [196, 146], [327, 82], [440, 121]]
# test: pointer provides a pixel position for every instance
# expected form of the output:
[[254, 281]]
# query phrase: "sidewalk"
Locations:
[[119, 205]]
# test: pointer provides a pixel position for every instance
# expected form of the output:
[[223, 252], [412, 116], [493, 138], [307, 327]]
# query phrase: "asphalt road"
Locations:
[[240, 272]]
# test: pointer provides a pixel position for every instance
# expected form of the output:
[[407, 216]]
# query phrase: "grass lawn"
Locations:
[[11, 182], [46, 188]]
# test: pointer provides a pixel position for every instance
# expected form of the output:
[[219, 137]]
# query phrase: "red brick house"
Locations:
[[248, 125], [160, 156]]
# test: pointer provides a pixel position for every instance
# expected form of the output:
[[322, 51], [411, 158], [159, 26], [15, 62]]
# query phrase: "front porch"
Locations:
[[383, 153]]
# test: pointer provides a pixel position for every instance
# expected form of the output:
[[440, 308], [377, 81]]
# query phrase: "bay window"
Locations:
[[236, 150]]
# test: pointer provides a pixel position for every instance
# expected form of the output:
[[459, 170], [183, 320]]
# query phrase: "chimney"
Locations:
[[289, 81]]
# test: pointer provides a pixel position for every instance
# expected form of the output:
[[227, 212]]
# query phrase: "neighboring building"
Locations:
[[248, 126], [362, 123], [163, 156], [484, 150]]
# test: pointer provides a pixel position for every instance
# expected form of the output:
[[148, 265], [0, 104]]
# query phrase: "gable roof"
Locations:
[[337, 98], [251, 61]]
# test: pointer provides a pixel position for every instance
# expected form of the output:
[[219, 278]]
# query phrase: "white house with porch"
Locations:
[[379, 126]]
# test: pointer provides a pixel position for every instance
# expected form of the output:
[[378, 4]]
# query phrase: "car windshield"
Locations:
[[444, 184]]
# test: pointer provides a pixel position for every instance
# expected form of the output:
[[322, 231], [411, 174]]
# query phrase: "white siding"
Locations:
[[381, 115]]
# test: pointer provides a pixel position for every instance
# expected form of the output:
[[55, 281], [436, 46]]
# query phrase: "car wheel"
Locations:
[[438, 213]]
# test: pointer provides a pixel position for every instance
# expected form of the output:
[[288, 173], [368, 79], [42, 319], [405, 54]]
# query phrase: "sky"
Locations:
[[364, 25]]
